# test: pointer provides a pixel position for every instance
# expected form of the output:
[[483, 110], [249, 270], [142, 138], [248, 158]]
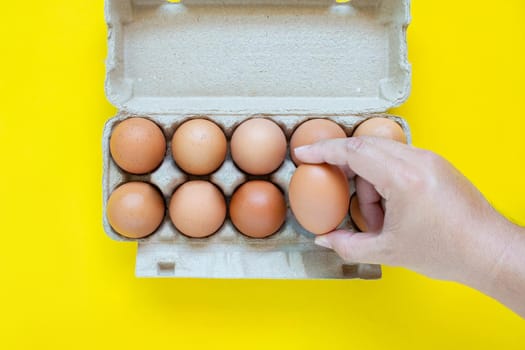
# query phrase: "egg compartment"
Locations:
[[229, 60], [290, 243]]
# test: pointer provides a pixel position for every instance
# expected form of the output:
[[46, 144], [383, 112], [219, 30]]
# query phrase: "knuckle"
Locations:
[[347, 253], [421, 176], [387, 251], [411, 179], [431, 159], [356, 144]]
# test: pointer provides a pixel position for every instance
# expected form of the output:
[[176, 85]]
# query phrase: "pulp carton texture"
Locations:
[[228, 61]]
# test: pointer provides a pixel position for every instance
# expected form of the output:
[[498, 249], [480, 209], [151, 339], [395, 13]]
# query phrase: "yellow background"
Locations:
[[64, 284]]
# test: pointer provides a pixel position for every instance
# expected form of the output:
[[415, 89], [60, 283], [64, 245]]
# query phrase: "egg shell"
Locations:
[[258, 146], [312, 131], [356, 215], [381, 127], [199, 146], [197, 208], [135, 209], [319, 196], [258, 209], [137, 145]]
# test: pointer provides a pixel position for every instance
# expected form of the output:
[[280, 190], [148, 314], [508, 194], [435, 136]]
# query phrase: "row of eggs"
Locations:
[[199, 146], [197, 208], [319, 195]]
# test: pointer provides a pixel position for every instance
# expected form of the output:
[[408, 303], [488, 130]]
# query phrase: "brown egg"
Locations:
[[258, 209], [312, 131], [356, 215], [135, 209], [258, 146], [319, 197], [197, 209], [199, 147], [137, 145], [381, 127]]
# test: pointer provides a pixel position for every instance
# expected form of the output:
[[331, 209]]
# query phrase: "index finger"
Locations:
[[331, 151], [372, 158]]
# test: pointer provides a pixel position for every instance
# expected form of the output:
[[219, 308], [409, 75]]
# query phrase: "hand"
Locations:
[[421, 213]]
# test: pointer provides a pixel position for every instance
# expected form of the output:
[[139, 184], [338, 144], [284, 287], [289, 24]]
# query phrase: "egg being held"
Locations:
[[381, 127], [197, 208], [135, 209], [258, 146], [319, 197], [312, 131], [258, 209], [199, 147], [137, 145]]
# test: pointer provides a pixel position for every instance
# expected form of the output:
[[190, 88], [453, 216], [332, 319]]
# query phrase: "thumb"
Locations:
[[357, 247]]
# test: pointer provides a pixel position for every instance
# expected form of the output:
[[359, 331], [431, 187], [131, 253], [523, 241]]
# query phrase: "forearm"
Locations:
[[498, 265], [508, 276]]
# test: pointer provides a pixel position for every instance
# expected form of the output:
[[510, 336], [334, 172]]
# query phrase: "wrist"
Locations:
[[494, 265], [485, 253]]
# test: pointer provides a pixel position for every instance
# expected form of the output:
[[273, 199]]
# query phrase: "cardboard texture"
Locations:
[[232, 60]]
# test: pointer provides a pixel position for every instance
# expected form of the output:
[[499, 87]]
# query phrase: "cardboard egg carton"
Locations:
[[228, 61]]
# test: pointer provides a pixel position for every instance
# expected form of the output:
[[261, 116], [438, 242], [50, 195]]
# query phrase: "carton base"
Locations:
[[172, 260]]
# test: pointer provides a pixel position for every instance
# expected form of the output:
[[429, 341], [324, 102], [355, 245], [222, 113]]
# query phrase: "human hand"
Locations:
[[421, 212]]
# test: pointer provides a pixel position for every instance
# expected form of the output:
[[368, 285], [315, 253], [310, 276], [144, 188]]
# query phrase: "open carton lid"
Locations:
[[257, 56]]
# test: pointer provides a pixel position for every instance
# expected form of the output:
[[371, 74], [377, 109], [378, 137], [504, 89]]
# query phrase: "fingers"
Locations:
[[333, 151], [369, 204], [326, 151], [374, 159], [353, 247]]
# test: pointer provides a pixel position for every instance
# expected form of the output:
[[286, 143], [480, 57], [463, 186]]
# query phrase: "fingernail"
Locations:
[[301, 149], [323, 242]]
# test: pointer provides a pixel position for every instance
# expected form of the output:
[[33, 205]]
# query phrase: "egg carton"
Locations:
[[231, 60], [289, 252]]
